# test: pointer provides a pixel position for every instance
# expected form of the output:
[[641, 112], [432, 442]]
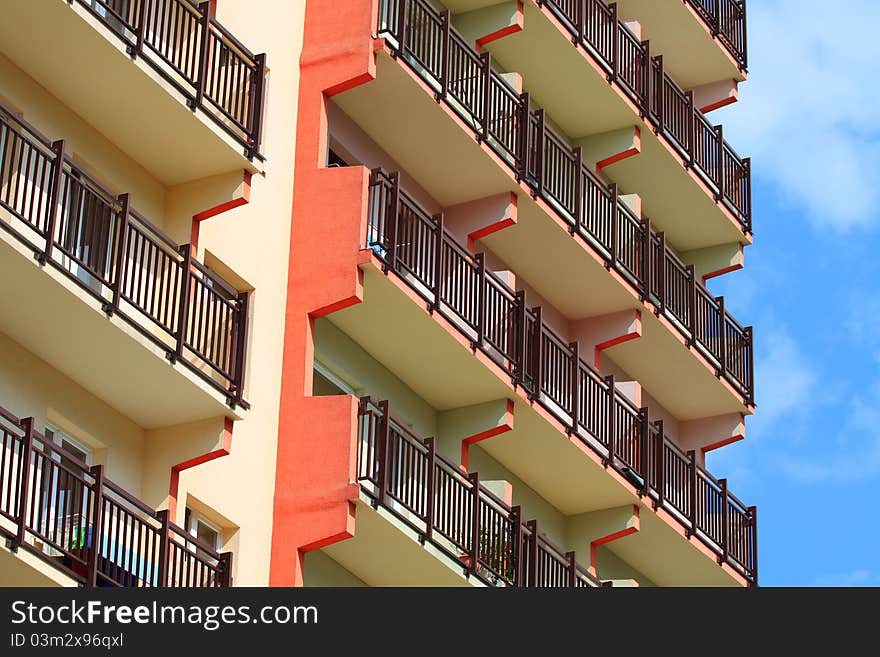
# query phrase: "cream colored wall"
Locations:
[[322, 570], [253, 241], [84, 142], [30, 387]]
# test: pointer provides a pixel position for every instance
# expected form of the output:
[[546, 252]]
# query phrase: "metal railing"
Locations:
[[197, 55], [496, 320], [727, 20], [405, 474], [71, 516], [99, 241], [503, 118]]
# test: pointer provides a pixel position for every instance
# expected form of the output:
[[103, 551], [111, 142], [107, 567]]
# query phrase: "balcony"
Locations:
[[85, 528], [501, 116], [494, 321], [452, 512], [157, 77], [727, 20], [100, 260]]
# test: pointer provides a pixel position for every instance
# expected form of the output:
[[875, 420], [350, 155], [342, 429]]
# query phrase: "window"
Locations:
[[205, 531]]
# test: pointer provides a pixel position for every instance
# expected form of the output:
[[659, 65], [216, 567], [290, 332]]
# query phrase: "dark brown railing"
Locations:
[[69, 515], [727, 20], [135, 270], [503, 118], [406, 475], [198, 56], [495, 318]]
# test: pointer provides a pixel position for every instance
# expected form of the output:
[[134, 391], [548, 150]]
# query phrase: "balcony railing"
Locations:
[[727, 20], [198, 56], [633, 249], [458, 285], [100, 242], [405, 474], [69, 515], [503, 118]]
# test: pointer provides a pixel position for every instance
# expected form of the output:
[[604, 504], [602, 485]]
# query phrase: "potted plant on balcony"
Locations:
[[498, 558]]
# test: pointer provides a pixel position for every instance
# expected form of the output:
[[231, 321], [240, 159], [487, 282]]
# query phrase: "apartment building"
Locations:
[[416, 295]]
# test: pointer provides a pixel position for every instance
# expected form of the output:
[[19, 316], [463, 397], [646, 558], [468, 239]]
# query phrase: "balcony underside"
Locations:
[[84, 64], [50, 316], [384, 552], [431, 360], [22, 569], [672, 197], [435, 149], [690, 53], [675, 376]]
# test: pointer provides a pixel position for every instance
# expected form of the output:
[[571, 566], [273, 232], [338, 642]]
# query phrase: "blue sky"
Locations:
[[808, 117]]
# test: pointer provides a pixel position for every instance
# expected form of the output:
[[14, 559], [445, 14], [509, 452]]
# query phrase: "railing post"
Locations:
[[486, 61], [138, 48], [725, 521], [646, 260], [480, 259], [610, 418], [474, 478], [578, 191], [256, 106], [691, 130], [580, 22], [395, 220], [753, 544], [722, 339], [661, 284], [382, 453], [648, 69], [660, 484], [692, 479], [183, 307], [719, 136], [615, 225], [533, 553], [521, 329], [164, 548], [402, 11], [644, 463], [518, 574], [750, 363], [660, 95], [692, 304], [225, 569], [537, 356], [52, 205], [572, 568], [119, 265], [430, 443], [27, 450], [539, 153], [439, 272], [716, 18], [747, 172], [615, 43], [575, 386], [524, 125], [241, 331], [444, 55], [205, 32], [95, 540]]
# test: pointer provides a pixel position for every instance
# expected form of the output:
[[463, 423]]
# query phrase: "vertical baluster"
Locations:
[[96, 539], [753, 543], [382, 453], [615, 227], [402, 7], [138, 47], [692, 484], [486, 75], [537, 356], [205, 33], [646, 263], [660, 95], [750, 364], [610, 417], [660, 484], [521, 335], [52, 205], [439, 272], [725, 521], [691, 128], [255, 106], [539, 153], [719, 137], [430, 443], [661, 284], [480, 259], [25, 474], [395, 220], [578, 191], [184, 307], [575, 386], [644, 463], [164, 545], [474, 479], [225, 569], [524, 126], [119, 264], [692, 304], [647, 80], [444, 63], [747, 175], [615, 43], [722, 338], [533, 553], [241, 330], [571, 568], [516, 569]]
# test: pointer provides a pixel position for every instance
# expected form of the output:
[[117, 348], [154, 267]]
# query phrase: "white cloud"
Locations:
[[853, 578], [809, 111], [786, 379]]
